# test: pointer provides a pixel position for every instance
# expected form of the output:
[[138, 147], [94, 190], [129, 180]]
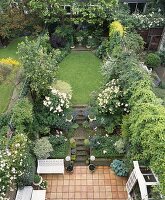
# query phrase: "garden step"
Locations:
[[79, 163], [80, 122], [80, 106], [81, 148], [81, 158], [81, 153]]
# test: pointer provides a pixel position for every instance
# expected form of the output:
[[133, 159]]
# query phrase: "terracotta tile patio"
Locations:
[[82, 184]]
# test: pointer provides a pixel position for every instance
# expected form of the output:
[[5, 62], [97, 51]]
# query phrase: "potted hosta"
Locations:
[[91, 117], [79, 39], [89, 42], [44, 185], [69, 118], [72, 43], [37, 180]]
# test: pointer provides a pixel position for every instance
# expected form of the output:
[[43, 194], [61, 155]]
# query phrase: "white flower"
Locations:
[[104, 151]]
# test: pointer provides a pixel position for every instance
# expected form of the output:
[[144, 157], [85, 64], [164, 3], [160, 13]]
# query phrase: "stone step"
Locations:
[[81, 148], [81, 158], [81, 153], [80, 106], [79, 163]]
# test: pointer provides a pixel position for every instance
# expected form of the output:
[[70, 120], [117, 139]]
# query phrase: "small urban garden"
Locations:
[[80, 85]]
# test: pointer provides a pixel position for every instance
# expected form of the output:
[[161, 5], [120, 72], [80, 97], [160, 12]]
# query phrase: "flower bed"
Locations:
[[60, 147], [106, 148]]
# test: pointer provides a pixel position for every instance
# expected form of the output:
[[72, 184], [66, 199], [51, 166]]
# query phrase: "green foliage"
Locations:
[[39, 65], [42, 148], [118, 166], [18, 20], [103, 146], [37, 178], [13, 164], [87, 142], [152, 60], [145, 127], [134, 42], [22, 115], [120, 146], [72, 143], [27, 177]]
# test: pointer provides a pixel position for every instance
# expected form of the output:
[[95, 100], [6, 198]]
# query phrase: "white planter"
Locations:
[[91, 119], [69, 120], [37, 184], [72, 47], [88, 47]]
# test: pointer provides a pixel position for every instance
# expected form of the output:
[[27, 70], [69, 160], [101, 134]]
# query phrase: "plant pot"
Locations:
[[72, 47], [91, 118], [69, 168], [37, 184], [92, 167], [88, 47], [69, 119]]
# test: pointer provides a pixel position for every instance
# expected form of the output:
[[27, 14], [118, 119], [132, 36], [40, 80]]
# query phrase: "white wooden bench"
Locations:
[[25, 193], [50, 166], [38, 195]]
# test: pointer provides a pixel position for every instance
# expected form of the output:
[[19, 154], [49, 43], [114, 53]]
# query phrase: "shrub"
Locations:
[[118, 166], [152, 60], [72, 143], [120, 146], [23, 114], [87, 142], [42, 148], [27, 177], [62, 87]]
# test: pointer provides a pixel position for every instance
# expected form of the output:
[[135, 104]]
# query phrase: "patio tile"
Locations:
[[107, 182], [90, 188], [96, 195], [113, 182], [115, 195], [59, 195], [120, 188], [65, 195], [66, 182], [114, 188], [65, 189], [71, 195], [83, 195], [90, 195], [102, 195], [103, 184], [77, 195], [108, 195]]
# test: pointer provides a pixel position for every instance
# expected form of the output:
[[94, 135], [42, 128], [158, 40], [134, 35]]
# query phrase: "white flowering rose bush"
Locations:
[[12, 162], [150, 20], [57, 102], [111, 99]]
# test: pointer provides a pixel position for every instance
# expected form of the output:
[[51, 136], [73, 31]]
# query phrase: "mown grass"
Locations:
[[82, 71]]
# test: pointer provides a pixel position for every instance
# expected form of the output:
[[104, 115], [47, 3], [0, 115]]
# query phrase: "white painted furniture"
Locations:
[[38, 195], [25, 193], [50, 166]]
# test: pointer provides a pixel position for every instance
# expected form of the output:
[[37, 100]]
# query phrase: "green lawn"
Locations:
[[10, 50], [82, 71], [6, 88]]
